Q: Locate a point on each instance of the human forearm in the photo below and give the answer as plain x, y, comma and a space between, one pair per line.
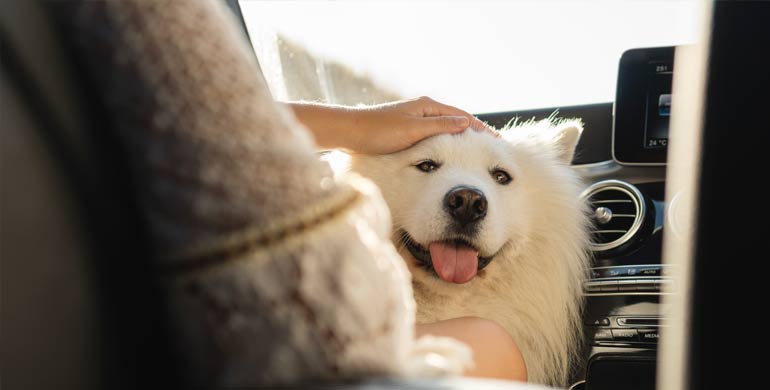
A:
495, 353
382, 128
333, 126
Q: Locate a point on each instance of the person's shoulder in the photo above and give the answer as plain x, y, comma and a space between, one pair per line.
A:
497, 343
495, 352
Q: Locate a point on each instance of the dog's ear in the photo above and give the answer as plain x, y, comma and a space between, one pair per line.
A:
565, 138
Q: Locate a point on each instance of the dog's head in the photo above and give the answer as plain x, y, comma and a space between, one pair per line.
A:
460, 200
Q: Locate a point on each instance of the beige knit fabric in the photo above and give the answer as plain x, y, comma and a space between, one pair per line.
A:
276, 272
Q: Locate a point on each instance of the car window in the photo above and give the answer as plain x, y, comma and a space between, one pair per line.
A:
481, 56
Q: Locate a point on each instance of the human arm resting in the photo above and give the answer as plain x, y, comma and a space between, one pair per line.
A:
382, 128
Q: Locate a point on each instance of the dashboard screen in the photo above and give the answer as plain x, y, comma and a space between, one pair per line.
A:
658, 104
643, 106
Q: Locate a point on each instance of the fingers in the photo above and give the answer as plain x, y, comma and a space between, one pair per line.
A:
429, 126
432, 108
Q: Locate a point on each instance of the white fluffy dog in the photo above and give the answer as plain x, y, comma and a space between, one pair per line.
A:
494, 228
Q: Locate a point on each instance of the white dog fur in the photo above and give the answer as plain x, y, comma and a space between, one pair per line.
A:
535, 226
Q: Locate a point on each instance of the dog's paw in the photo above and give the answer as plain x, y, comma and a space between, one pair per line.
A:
439, 356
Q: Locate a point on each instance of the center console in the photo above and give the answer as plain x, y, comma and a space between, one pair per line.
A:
625, 310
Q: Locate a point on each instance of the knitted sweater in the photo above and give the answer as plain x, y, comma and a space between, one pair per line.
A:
275, 271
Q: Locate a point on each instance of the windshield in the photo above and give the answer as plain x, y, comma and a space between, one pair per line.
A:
480, 56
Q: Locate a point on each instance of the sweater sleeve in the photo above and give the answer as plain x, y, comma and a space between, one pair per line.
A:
274, 271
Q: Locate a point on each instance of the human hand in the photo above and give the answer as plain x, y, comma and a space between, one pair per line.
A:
391, 127
384, 128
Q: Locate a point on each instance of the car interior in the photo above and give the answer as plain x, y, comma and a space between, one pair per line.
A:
659, 311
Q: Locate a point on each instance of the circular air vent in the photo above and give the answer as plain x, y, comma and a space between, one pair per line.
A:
618, 211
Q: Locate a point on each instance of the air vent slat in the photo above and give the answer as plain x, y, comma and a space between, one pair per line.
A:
618, 208
615, 223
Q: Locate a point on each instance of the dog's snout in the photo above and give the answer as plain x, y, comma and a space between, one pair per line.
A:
466, 205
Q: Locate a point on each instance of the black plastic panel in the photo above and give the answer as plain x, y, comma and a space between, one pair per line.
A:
596, 142
615, 372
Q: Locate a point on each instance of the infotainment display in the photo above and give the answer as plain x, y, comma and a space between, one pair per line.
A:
643, 106
658, 104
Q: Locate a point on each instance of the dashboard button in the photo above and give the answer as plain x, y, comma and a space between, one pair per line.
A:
626, 285
603, 335
592, 286
615, 272
650, 271
631, 271
648, 335
599, 322
628, 335
646, 285
638, 321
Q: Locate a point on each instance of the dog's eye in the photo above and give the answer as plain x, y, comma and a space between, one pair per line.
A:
427, 166
501, 177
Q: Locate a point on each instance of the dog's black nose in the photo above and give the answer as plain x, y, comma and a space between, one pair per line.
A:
466, 205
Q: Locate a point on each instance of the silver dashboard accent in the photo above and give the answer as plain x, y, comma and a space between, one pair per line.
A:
610, 169
576, 384
603, 215
592, 286
636, 198
627, 285
621, 294
641, 321
640, 286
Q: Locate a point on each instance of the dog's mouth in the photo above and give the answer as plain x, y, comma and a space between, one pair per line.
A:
454, 260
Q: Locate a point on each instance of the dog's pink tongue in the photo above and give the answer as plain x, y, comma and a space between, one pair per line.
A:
454, 263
